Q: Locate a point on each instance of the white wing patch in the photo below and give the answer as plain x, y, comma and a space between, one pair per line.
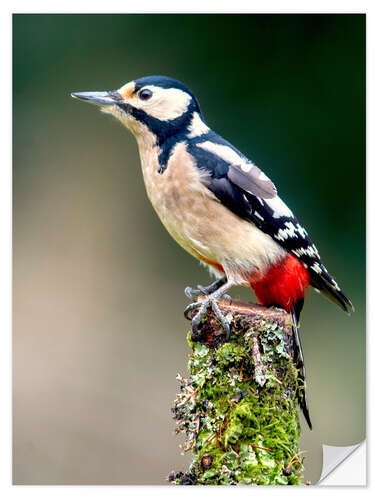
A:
316, 267
302, 231
263, 177
227, 154
310, 251
290, 231
241, 171
257, 214
279, 208
246, 167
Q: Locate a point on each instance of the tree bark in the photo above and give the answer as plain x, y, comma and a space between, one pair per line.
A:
239, 407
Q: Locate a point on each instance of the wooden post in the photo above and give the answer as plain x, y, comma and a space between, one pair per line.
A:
238, 407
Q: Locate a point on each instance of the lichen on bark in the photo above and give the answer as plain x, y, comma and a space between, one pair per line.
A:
239, 407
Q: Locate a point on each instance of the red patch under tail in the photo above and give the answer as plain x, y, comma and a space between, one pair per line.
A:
283, 285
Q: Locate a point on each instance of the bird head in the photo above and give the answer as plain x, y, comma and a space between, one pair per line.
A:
154, 106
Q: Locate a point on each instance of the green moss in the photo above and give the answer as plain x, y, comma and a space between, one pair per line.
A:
241, 412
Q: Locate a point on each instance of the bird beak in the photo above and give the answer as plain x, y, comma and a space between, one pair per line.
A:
98, 98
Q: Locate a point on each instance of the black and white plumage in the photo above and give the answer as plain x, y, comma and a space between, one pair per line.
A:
215, 202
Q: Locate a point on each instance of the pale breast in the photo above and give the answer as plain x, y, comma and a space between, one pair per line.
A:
199, 222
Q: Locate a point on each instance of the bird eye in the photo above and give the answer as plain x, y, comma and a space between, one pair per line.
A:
145, 94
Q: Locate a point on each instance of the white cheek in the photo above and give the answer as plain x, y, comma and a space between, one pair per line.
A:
165, 104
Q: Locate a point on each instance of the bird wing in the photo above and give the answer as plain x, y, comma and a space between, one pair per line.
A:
252, 180
243, 188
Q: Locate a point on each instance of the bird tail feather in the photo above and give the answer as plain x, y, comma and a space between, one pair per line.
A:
299, 361
326, 285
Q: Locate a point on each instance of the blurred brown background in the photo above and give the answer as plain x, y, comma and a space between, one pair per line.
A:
99, 333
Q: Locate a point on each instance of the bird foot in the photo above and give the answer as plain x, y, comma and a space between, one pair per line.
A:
203, 305
192, 293
212, 293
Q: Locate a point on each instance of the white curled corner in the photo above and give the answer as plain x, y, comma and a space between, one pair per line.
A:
352, 462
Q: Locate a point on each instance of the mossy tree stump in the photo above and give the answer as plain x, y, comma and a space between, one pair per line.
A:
239, 405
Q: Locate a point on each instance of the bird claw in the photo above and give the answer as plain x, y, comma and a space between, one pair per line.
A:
190, 292
212, 293
190, 308
203, 306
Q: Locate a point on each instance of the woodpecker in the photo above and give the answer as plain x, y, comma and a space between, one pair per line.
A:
218, 205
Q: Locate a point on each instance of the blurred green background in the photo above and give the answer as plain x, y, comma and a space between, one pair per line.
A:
99, 333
